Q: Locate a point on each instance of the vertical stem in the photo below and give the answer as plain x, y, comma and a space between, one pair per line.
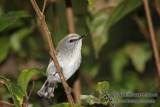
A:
56, 20
70, 19
77, 88
141, 27
152, 35
157, 7
44, 6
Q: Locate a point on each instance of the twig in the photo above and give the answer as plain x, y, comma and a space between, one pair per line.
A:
6, 103
157, 7
52, 50
77, 89
141, 27
56, 20
152, 35
44, 6
28, 96
33, 84
26, 104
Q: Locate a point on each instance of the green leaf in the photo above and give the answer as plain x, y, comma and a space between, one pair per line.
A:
90, 2
35, 105
99, 31
139, 54
102, 86
1, 10
8, 19
18, 36
91, 68
119, 61
4, 48
122, 10
15, 90
90, 99
26, 75
64, 105
106, 16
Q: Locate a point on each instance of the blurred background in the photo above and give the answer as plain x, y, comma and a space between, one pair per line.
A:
116, 53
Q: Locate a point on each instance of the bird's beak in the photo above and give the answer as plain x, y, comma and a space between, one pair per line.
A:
82, 36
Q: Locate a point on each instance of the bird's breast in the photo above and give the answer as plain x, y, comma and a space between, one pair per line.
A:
70, 65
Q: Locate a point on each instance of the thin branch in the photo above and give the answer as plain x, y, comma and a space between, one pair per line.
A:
55, 19
141, 27
152, 35
44, 6
26, 104
6, 103
28, 96
52, 50
77, 89
157, 7
33, 84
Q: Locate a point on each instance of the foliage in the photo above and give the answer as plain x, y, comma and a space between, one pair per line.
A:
15, 91
26, 75
90, 2
102, 22
4, 48
10, 18
138, 53
122, 10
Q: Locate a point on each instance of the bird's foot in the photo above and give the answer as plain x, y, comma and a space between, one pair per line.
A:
69, 90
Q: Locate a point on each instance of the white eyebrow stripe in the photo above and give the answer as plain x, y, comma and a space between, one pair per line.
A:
75, 37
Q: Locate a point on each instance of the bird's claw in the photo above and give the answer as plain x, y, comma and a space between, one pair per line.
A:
69, 90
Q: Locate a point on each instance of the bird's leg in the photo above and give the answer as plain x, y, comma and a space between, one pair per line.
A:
69, 89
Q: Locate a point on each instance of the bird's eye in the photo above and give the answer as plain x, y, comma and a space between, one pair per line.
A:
71, 41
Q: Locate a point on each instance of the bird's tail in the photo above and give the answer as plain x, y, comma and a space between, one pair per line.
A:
47, 89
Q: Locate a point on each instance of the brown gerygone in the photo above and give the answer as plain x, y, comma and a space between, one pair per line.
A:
68, 53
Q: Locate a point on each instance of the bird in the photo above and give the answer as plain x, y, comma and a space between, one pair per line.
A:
68, 54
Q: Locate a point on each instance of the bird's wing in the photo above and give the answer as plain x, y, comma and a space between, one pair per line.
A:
51, 69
